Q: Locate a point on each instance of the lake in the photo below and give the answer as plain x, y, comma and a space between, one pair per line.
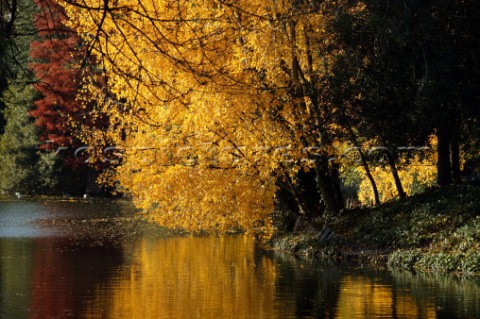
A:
65, 258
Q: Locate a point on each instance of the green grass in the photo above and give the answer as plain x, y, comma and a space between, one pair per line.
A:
437, 230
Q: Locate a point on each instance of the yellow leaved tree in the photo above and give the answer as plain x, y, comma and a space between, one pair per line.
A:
213, 105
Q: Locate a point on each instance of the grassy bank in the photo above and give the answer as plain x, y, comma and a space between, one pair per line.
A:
437, 230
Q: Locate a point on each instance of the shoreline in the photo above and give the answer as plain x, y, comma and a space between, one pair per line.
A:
438, 230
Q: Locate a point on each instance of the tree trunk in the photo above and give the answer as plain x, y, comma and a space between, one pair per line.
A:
444, 176
329, 189
366, 168
307, 189
296, 196
396, 178
303, 191
286, 207
370, 177
455, 161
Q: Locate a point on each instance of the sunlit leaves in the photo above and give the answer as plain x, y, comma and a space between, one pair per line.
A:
210, 101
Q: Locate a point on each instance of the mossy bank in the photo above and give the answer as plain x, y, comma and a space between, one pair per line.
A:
438, 230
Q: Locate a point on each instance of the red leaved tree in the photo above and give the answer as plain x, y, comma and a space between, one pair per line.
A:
55, 66
59, 63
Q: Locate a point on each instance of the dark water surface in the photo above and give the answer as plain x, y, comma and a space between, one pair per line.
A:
91, 259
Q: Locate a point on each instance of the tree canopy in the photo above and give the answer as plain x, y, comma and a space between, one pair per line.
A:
217, 107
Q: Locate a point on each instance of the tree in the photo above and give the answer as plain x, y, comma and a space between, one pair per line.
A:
401, 84
224, 94
454, 77
18, 144
57, 66
8, 14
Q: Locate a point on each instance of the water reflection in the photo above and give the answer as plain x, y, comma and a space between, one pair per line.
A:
15, 276
51, 278
190, 278
63, 276
230, 278
361, 296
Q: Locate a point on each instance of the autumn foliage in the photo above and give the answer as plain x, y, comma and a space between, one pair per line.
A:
233, 93
216, 105
59, 65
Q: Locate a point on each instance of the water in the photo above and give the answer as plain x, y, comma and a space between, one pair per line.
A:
91, 259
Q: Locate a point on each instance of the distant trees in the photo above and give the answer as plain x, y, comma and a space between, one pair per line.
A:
8, 15
19, 142
19, 139
40, 157
59, 64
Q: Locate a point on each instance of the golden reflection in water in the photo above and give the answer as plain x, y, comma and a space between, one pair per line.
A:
361, 297
189, 278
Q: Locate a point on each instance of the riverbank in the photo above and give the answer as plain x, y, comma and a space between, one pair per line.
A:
438, 230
